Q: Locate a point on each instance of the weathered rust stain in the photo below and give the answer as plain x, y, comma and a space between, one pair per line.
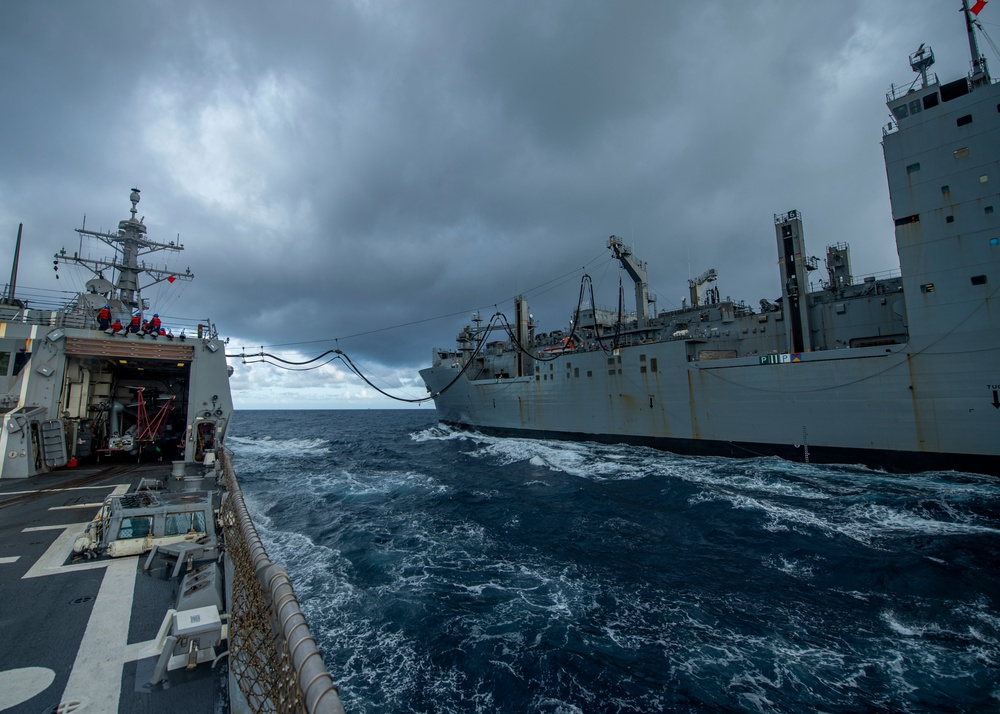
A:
916, 408
695, 430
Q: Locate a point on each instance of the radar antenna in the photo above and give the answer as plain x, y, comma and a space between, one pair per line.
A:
921, 60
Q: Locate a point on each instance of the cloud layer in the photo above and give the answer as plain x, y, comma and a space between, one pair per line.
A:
337, 169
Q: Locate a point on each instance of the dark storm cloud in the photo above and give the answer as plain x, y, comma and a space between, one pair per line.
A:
338, 168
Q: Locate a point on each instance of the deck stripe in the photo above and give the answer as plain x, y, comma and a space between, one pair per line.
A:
119, 488
97, 672
9, 559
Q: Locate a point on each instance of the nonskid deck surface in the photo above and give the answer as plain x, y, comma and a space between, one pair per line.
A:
77, 633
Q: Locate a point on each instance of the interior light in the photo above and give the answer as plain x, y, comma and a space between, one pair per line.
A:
123, 361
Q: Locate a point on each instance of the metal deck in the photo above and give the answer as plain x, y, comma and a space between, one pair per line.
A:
77, 635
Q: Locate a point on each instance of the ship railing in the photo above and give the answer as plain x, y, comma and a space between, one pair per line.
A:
62, 308
896, 91
272, 655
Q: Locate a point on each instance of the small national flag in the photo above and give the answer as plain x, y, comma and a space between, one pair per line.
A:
171, 278
978, 7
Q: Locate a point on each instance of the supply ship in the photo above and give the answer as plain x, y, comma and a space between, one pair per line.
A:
132, 575
900, 373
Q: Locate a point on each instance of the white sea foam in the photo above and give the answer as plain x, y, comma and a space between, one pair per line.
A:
268, 447
440, 432
791, 506
793, 567
510, 610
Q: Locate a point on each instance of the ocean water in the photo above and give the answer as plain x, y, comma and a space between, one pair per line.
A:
444, 571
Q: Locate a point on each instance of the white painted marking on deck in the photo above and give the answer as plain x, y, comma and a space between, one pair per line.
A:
119, 488
78, 505
20, 685
51, 561
7, 560
97, 672
95, 680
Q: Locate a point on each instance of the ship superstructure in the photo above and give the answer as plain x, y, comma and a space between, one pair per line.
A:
133, 575
900, 372
74, 386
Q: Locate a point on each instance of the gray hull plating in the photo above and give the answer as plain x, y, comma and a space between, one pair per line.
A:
901, 372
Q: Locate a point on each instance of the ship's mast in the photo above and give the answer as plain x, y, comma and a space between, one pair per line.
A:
980, 73
131, 243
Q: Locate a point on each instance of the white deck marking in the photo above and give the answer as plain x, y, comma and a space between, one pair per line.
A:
51, 561
20, 685
119, 488
9, 559
97, 672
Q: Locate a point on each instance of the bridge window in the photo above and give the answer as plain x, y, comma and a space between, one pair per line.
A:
962, 121
135, 527
954, 90
181, 523
978, 280
931, 100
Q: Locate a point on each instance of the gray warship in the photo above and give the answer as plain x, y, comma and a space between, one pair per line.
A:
132, 575
900, 373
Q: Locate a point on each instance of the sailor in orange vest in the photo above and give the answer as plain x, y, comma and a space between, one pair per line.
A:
136, 322
117, 326
104, 318
154, 324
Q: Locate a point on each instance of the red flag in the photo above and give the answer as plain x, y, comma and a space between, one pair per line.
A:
171, 278
978, 7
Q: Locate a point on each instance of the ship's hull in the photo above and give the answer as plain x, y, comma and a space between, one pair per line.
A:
888, 407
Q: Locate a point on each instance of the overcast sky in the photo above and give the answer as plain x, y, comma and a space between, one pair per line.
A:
337, 169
